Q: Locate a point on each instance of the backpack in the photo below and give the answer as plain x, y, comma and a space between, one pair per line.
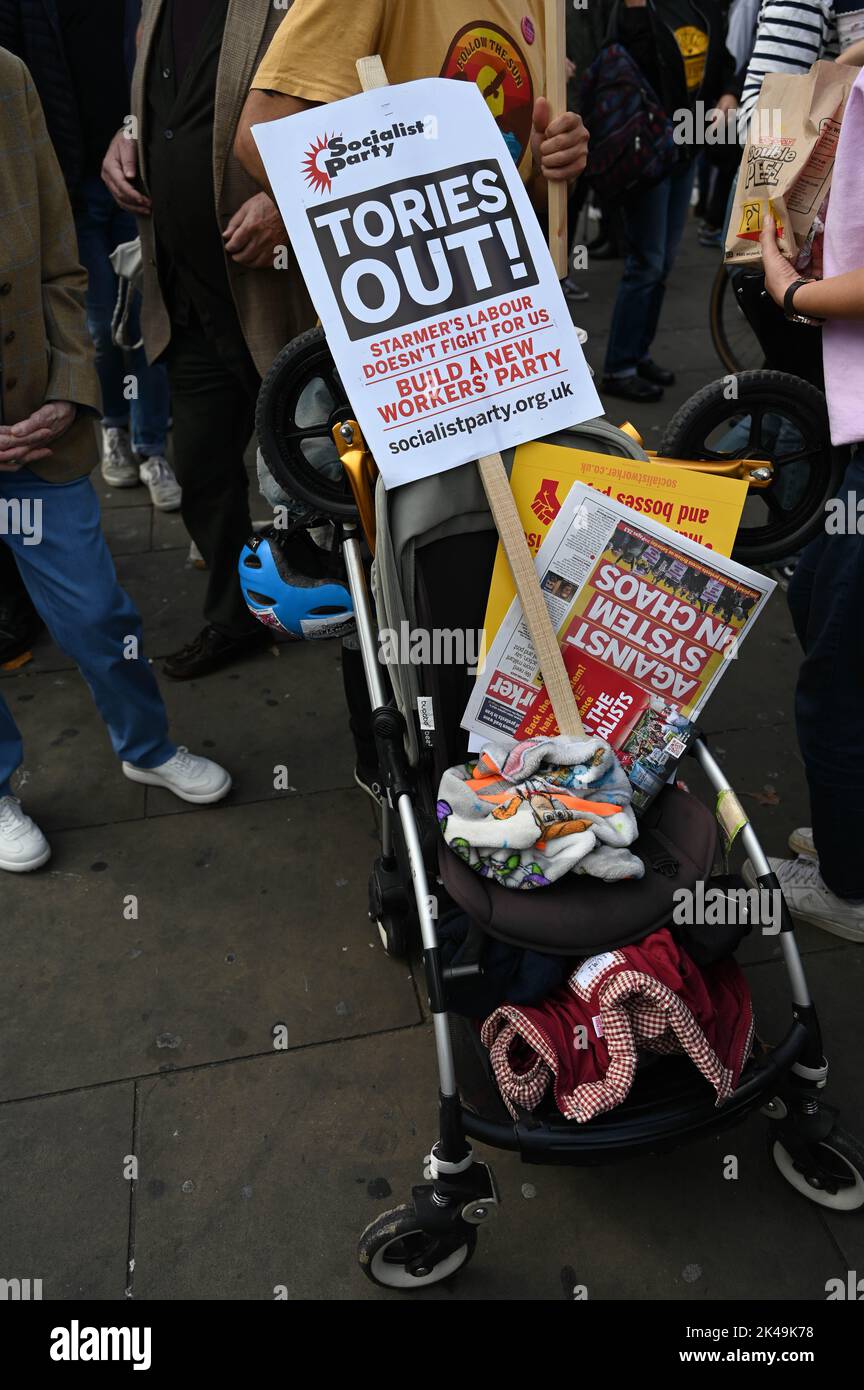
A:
632, 143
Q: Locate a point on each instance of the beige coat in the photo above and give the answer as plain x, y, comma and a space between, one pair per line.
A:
45, 347
272, 305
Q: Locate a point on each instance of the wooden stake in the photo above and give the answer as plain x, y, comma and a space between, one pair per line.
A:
505, 513
556, 91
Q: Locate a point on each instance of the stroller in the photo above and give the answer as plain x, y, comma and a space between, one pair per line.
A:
435, 544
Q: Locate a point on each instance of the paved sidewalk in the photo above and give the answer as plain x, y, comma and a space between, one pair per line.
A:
151, 1035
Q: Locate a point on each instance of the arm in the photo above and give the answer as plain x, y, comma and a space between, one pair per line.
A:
72, 380
790, 38
260, 108
838, 297
853, 55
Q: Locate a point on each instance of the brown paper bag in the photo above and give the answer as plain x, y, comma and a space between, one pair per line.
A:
788, 159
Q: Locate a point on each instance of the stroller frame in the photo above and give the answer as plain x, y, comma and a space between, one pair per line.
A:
459, 1192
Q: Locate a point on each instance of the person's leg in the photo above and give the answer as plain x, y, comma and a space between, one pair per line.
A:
679, 190
214, 419
11, 748
71, 579
637, 303
94, 216
829, 703
799, 595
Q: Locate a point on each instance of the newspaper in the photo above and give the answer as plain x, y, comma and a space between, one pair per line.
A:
647, 622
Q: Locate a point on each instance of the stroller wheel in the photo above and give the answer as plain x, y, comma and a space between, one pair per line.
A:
396, 1253
393, 932
302, 399
772, 416
832, 1175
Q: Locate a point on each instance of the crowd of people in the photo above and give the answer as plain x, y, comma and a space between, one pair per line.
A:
124, 120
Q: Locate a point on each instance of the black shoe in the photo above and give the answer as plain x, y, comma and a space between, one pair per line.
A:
649, 371
210, 651
631, 388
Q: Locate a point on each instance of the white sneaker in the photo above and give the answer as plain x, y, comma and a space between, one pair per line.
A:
23, 847
811, 900
119, 468
191, 778
165, 491
195, 560
801, 842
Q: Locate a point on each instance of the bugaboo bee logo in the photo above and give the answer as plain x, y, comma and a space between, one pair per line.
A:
327, 156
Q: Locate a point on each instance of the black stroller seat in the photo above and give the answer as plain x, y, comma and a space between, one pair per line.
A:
578, 915
581, 915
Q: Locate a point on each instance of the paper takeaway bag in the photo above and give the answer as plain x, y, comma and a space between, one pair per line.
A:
788, 159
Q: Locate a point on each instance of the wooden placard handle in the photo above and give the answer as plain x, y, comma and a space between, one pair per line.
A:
502, 504
505, 513
556, 91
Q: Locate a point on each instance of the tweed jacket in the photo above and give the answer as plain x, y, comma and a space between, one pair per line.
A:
272, 305
46, 353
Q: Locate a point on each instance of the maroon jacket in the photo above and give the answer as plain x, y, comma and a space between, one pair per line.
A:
586, 1036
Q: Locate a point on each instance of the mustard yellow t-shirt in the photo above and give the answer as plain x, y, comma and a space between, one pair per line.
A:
499, 44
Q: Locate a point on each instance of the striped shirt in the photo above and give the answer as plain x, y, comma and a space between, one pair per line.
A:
791, 36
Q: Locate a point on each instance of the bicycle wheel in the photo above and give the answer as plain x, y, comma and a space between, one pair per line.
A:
301, 400
734, 340
775, 417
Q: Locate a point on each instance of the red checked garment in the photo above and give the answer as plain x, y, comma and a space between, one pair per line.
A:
586, 1035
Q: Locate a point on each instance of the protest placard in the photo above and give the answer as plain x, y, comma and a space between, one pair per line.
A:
647, 621
428, 268
701, 506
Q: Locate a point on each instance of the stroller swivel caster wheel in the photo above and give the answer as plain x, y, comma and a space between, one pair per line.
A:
832, 1175
394, 935
396, 1254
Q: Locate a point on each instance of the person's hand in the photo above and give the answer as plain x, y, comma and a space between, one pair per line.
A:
28, 441
779, 273
255, 232
560, 147
718, 113
119, 171
570, 69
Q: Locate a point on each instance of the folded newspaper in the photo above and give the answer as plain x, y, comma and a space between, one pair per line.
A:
647, 622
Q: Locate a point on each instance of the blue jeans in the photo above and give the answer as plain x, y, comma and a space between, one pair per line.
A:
102, 226
70, 577
654, 221
826, 599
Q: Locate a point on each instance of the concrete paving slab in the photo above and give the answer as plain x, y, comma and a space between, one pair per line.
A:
248, 917
169, 598
64, 1201
169, 533
315, 1144
280, 715
127, 529
70, 776
836, 981
119, 498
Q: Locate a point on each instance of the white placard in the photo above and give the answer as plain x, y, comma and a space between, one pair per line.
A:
429, 271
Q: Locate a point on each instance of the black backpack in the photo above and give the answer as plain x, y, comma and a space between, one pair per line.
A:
632, 144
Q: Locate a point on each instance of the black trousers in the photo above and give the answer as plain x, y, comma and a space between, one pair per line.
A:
826, 599
214, 391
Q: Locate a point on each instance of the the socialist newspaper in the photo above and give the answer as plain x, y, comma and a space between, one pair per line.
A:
647, 622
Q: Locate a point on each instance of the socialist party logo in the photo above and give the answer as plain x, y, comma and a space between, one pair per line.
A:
330, 154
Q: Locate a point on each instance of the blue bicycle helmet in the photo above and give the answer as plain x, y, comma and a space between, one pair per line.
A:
293, 586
